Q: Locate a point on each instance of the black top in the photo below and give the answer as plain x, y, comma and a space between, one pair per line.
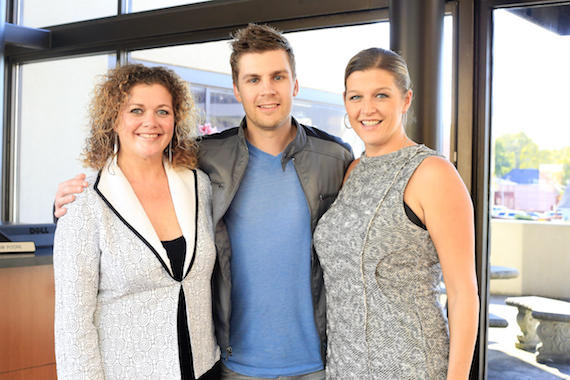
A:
176, 251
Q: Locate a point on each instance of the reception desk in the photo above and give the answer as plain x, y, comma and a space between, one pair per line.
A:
26, 312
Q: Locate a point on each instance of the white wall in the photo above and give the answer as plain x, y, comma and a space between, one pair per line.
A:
52, 130
541, 253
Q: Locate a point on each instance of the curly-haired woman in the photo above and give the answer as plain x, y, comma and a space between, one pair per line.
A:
133, 255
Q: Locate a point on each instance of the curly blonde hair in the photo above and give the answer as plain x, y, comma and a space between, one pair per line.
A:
110, 98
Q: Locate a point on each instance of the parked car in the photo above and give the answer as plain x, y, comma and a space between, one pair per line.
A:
510, 214
495, 210
553, 215
536, 215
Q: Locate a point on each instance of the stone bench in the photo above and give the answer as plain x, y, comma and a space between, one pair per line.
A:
503, 273
554, 333
496, 321
546, 321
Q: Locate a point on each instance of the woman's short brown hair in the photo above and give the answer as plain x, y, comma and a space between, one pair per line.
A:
111, 96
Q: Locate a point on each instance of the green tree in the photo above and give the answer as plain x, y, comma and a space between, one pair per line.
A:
529, 156
504, 161
518, 151
565, 161
547, 156
515, 151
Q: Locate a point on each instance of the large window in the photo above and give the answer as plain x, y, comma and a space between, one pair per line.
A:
530, 171
41, 13
51, 129
220, 109
147, 5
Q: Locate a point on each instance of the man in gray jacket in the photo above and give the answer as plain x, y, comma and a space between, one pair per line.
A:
272, 179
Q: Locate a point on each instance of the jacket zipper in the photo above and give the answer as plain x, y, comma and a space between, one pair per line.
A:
229, 348
312, 258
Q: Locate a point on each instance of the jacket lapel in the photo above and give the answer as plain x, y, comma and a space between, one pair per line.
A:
183, 190
116, 190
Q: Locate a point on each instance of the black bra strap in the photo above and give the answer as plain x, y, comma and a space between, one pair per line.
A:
413, 217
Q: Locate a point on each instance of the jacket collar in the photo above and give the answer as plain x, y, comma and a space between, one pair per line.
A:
290, 150
295, 146
116, 191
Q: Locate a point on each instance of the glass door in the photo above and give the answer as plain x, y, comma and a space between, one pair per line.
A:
529, 175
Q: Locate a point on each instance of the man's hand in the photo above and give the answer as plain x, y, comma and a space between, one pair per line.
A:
65, 192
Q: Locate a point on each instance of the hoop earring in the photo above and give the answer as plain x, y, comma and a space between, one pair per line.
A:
170, 152
115, 148
346, 125
111, 167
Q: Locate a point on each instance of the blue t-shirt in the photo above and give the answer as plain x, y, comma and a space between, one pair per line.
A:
272, 326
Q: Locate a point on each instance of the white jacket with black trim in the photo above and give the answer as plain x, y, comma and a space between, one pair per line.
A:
116, 296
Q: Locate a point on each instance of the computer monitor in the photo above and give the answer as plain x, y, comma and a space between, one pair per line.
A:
40, 234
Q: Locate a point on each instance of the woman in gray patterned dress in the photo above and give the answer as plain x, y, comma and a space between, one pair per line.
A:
134, 253
402, 216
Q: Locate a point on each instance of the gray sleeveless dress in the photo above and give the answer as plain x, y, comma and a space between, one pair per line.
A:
382, 275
